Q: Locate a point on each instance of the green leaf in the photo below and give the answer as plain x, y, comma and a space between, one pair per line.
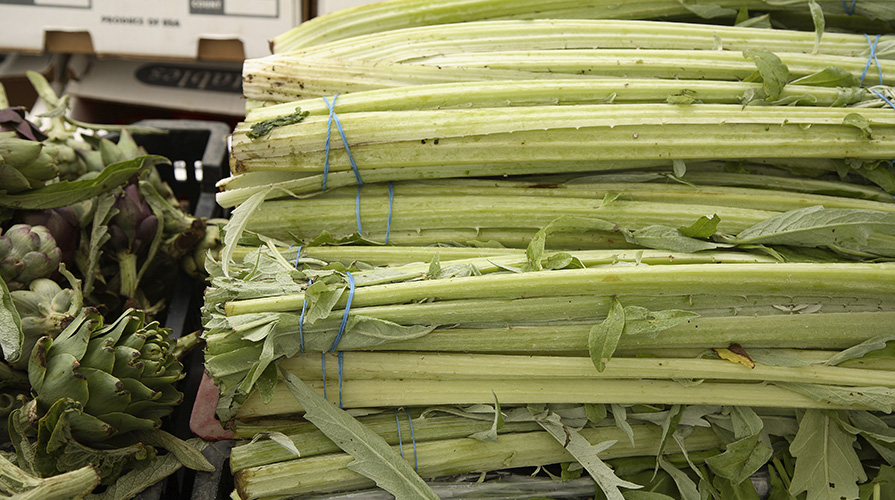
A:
817, 227
491, 434
603, 337
686, 487
99, 234
239, 218
620, 415
535, 250
704, 227
642, 321
434, 267
186, 453
732, 490
685, 97
669, 238
817, 15
264, 127
884, 481
773, 71
747, 454
779, 490
707, 10
875, 398
586, 454
595, 412
373, 457
64, 193
859, 351
284, 441
11, 334
827, 465
860, 122
145, 474
679, 167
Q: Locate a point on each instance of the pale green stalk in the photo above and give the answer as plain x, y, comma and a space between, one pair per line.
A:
288, 77
496, 94
396, 366
398, 14
837, 279
378, 393
238, 188
454, 456
414, 216
411, 44
411, 261
310, 441
365, 129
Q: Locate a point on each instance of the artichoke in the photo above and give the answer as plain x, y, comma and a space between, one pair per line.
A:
65, 225
118, 378
25, 164
45, 309
27, 253
132, 231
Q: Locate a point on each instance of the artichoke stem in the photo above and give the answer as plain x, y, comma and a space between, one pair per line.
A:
74, 484
127, 267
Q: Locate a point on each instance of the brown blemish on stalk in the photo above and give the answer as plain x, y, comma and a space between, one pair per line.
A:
612, 277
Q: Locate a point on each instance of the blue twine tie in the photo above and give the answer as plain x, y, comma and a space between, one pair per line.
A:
333, 117
345, 314
323, 369
400, 441
881, 96
391, 203
416, 465
872, 59
301, 319
850, 11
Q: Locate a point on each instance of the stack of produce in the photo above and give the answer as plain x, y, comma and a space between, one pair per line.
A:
90, 239
592, 238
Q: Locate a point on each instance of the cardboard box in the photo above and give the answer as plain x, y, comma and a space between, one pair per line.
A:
116, 87
13, 67
326, 6
159, 29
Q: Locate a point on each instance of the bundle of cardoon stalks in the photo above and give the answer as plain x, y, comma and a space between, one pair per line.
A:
652, 253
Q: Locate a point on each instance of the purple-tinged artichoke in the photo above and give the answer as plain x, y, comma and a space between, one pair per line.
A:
26, 254
64, 223
134, 227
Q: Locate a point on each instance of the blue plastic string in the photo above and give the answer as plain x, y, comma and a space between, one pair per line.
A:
400, 441
329, 132
849, 11
391, 203
357, 210
323, 369
872, 59
345, 314
334, 117
881, 96
416, 465
301, 319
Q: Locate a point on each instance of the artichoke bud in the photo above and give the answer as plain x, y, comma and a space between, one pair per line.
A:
44, 310
19, 152
64, 223
134, 226
103, 369
27, 253
128, 147
70, 164
110, 152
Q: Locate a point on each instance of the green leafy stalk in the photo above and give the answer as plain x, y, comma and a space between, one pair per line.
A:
373, 457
